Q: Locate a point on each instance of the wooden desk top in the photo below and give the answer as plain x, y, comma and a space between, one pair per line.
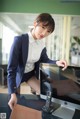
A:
22, 112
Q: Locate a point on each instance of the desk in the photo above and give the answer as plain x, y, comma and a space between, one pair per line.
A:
22, 112
31, 101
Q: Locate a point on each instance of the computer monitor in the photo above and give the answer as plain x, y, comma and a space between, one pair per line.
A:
65, 87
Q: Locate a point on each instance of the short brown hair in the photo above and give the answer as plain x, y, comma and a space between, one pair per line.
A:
47, 20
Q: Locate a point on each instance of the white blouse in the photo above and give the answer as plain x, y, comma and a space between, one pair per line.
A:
34, 52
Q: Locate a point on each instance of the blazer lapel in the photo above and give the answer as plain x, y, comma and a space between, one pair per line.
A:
25, 45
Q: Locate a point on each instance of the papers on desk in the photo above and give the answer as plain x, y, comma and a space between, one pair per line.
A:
22, 112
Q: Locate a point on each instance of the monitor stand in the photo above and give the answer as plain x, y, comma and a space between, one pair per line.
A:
64, 113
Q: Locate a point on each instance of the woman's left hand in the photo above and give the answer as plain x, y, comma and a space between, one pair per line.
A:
62, 63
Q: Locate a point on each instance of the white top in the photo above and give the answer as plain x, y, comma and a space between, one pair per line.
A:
34, 52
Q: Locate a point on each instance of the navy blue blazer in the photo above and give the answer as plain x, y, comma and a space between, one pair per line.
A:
17, 61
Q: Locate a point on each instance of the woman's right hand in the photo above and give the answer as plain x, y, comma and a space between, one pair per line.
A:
12, 101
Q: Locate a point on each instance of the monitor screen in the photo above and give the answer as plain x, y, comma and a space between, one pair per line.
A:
65, 84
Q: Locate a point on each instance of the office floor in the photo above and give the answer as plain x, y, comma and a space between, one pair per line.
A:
25, 89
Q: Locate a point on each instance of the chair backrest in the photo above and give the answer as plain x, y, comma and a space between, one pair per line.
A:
1, 75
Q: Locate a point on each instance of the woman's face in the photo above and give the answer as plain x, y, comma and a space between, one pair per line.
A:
40, 31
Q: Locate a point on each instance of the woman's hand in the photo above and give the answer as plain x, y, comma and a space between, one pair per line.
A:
62, 63
12, 101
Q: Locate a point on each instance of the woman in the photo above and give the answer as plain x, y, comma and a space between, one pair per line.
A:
27, 52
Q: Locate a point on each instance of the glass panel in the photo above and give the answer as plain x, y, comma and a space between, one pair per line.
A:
8, 37
75, 41
54, 41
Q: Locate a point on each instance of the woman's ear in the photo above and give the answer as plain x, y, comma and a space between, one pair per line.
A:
35, 23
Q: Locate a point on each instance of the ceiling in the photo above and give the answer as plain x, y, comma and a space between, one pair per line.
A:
70, 1
21, 22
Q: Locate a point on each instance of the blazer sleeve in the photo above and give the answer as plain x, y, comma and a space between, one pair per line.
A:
13, 63
44, 57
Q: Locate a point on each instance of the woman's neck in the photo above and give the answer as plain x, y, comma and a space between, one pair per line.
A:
33, 33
